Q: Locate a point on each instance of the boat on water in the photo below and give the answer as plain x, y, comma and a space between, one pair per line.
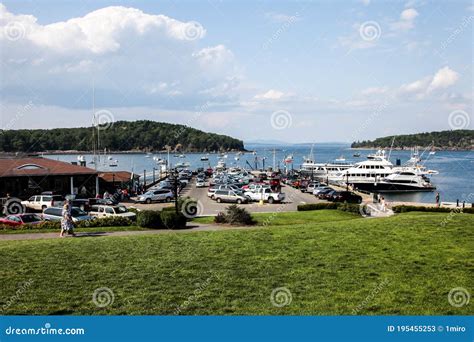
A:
112, 162
322, 170
205, 158
221, 165
356, 155
378, 174
182, 165
341, 159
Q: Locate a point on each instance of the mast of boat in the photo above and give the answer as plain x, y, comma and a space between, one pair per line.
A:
391, 147
274, 159
94, 147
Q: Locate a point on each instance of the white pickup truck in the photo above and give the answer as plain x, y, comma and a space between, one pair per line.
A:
265, 194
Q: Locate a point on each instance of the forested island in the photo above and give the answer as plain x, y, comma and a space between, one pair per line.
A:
444, 140
140, 135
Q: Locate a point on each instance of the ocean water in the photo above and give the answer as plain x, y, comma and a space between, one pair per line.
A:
454, 181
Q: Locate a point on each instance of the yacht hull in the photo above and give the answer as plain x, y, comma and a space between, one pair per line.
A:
390, 187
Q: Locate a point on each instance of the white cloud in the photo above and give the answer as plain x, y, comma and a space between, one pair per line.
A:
407, 20
365, 2
281, 18
442, 79
270, 95
130, 55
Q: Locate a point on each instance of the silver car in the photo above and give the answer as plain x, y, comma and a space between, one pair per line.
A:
229, 196
55, 214
158, 195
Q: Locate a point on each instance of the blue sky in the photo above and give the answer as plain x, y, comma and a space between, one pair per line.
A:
298, 71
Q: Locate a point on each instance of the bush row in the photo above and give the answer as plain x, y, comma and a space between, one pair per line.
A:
407, 208
111, 221
167, 219
349, 207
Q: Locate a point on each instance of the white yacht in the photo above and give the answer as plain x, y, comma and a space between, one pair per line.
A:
378, 174
325, 170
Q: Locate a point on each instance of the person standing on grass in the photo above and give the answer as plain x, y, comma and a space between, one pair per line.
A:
66, 221
437, 199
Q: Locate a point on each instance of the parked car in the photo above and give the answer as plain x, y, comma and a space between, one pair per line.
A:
107, 210
320, 188
229, 196
201, 183
55, 214
212, 190
266, 194
80, 202
20, 219
256, 187
310, 187
41, 202
326, 194
345, 196
165, 195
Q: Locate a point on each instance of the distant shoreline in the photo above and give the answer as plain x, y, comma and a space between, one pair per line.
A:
452, 149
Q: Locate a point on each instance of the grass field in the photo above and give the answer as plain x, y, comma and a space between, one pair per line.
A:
329, 262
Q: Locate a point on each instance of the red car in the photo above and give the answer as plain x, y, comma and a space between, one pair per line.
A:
19, 219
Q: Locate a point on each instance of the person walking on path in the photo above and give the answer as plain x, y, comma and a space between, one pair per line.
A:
382, 203
437, 200
66, 221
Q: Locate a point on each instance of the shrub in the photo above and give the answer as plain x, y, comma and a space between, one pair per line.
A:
173, 220
220, 218
408, 208
349, 207
46, 225
109, 221
149, 219
236, 216
317, 206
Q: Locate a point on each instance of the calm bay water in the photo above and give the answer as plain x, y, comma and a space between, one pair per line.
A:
454, 181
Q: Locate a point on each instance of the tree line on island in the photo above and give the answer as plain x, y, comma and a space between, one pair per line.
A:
444, 140
140, 135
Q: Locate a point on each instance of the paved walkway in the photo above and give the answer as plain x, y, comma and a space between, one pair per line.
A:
194, 227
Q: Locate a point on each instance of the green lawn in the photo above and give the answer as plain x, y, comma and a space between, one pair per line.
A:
332, 263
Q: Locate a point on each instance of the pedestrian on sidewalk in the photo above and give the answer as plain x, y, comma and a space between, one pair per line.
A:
67, 226
382, 203
437, 200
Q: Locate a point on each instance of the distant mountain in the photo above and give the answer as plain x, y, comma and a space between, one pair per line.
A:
140, 135
444, 140
266, 142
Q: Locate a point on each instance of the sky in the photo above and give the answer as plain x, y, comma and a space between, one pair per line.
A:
293, 71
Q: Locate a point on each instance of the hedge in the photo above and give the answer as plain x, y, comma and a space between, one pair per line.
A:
110, 221
173, 220
317, 206
149, 219
408, 208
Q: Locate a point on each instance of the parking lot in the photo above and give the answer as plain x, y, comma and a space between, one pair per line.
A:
208, 207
